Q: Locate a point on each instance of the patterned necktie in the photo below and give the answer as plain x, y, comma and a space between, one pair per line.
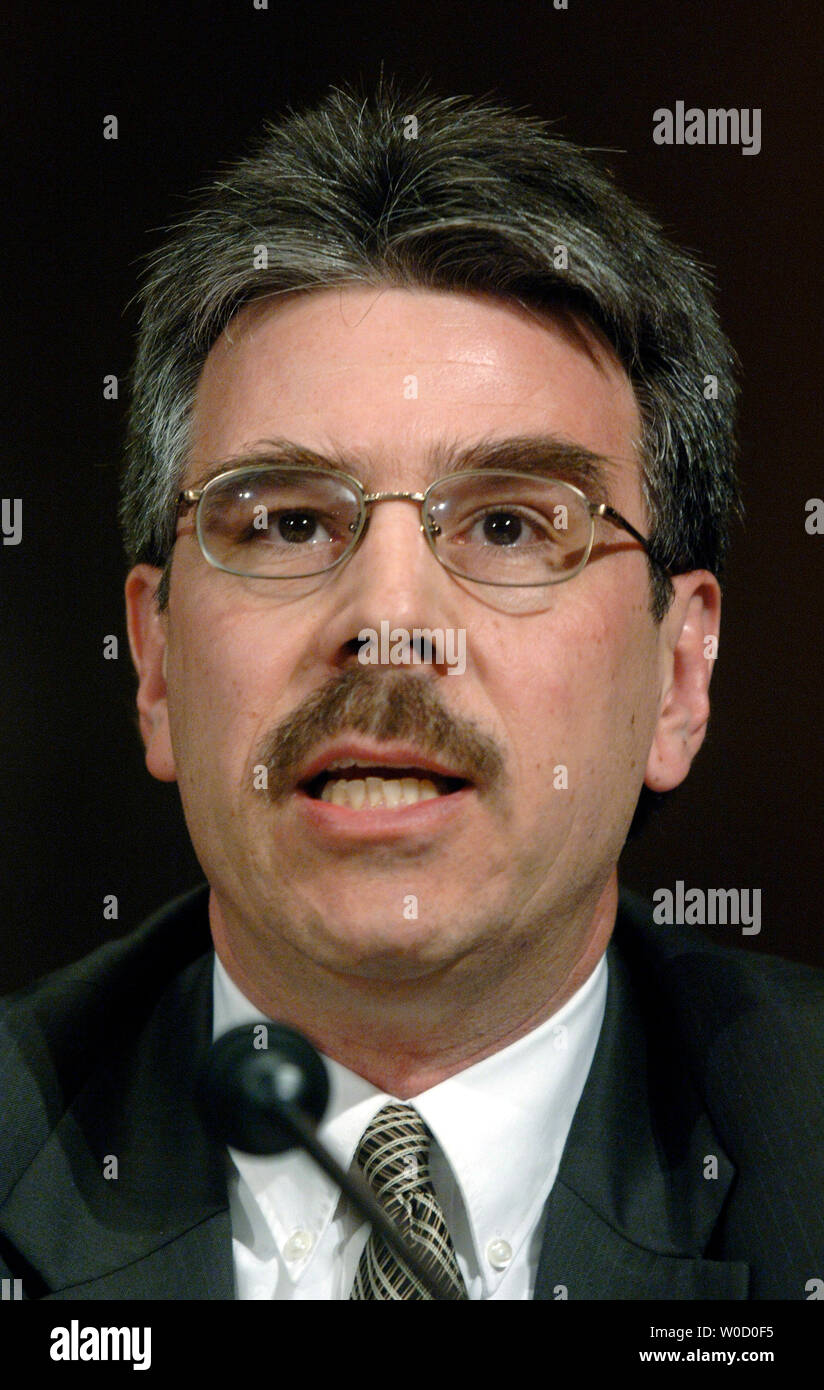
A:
394, 1157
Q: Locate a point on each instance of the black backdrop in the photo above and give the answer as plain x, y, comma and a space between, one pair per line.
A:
189, 83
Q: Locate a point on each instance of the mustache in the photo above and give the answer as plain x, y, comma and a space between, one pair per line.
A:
383, 705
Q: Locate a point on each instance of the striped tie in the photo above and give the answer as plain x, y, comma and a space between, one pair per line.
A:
394, 1157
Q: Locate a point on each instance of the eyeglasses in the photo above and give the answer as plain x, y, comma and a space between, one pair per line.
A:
517, 530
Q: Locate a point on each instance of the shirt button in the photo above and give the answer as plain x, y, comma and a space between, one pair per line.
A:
298, 1245
499, 1253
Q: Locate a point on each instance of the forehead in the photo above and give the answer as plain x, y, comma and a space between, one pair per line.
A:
397, 378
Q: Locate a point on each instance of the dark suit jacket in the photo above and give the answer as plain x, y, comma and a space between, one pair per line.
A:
693, 1168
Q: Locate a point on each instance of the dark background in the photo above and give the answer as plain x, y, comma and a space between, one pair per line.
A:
190, 83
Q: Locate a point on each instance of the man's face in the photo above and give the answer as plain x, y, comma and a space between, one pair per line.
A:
575, 684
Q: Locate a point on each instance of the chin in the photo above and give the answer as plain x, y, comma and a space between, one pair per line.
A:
405, 950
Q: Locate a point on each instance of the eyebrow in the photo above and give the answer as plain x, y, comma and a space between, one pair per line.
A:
547, 455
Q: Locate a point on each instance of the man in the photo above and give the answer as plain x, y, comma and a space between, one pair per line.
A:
416, 380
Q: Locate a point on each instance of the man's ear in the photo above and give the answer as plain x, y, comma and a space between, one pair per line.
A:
147, 638
688, 646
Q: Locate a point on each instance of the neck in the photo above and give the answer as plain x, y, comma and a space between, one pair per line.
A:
405, 1036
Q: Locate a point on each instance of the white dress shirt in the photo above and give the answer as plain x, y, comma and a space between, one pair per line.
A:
499, 1128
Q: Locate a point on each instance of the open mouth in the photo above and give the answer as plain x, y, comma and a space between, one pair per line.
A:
365, 786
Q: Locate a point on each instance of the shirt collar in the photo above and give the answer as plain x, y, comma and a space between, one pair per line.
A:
510, 1114
507, 1114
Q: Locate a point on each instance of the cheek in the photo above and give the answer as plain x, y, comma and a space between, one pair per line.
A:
580, 702
225, 690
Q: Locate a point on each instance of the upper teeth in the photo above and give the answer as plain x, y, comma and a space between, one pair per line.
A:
377, 791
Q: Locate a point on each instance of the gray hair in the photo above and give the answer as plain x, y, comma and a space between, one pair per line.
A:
446, 194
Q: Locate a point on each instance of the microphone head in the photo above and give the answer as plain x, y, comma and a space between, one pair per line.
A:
254, 1073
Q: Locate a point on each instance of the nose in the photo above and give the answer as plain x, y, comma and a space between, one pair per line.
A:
393, 542
391, 577
393, 564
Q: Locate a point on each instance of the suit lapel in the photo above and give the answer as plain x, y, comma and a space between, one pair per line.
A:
158, 1225
192, 1264
643, 1177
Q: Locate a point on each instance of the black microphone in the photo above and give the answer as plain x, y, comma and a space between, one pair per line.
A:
264, 1090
